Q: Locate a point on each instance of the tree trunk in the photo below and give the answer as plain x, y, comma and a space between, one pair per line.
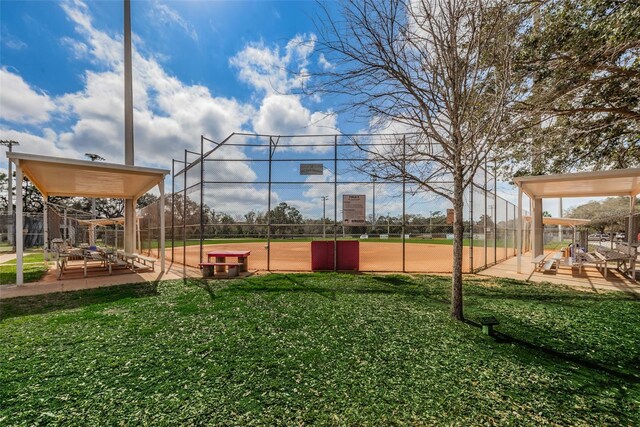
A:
458, 236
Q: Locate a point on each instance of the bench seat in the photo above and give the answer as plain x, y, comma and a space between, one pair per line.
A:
217, 264
209, 267
550, 265
146, 259
539, 261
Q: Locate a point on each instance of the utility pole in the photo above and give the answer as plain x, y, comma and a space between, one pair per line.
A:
324, 211
93, 158
10, 143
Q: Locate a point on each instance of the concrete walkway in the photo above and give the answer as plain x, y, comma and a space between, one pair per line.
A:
49, 283
7, 257
589, 279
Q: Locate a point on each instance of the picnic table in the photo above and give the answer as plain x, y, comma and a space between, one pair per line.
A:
220, 263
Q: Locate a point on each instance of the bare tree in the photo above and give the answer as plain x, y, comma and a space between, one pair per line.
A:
440, 69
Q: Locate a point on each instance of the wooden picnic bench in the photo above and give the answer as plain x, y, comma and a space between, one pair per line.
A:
132, 258
586, 258
221, 257
554, 262
539, 262
145, 259
209, 268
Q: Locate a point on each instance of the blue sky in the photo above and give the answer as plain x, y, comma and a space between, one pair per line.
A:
201, 67
221, 64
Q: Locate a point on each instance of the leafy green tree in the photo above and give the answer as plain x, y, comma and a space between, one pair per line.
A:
281, 216
580, 67
605, 215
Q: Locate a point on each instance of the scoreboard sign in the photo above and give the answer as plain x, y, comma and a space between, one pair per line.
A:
450, 216
353, 209
311, 169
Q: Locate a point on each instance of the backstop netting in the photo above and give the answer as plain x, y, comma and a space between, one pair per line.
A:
274, 195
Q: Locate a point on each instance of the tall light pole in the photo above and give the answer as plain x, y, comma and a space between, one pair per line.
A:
93, 157
129, 204
430, 223
324, 211
388, 223
10, 143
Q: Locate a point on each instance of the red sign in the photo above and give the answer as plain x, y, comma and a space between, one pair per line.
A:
450, 216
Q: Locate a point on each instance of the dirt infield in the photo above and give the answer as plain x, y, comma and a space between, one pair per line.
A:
374, 256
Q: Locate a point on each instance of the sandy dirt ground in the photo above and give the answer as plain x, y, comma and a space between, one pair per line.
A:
374, 256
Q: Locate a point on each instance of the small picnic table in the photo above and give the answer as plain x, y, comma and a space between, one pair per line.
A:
220, 261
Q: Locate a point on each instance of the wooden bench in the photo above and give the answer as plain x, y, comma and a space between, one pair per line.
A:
488, 323
551, 264
539, 262
601, 259
208, 268
584, 258
128, 258
146, 259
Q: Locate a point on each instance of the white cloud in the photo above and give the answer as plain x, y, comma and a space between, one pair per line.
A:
29, 143
163, 14
169, 115
267, 70
20, 103
102, 47
11, 42
77, 48
324, 63
285, 115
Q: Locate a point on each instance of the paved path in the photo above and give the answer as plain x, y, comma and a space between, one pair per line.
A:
49, 284
7, 257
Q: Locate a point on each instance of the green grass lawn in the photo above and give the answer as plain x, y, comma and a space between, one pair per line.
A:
34, 269
27, 258
328, 349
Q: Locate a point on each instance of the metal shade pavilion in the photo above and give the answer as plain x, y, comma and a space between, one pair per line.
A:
55, 176
618, 182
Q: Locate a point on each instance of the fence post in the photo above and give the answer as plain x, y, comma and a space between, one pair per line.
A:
184, 216
404, 200
495, 217
484, 223
173, 207
335, 203
201, 193
471, 226
269, 207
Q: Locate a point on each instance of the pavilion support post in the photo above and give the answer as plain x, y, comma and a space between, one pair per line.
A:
45, 226
66, 226
138, 239
129, 226
633, 233
538, 228
560, 226
162, 256
92, 235
19, 232
519, 233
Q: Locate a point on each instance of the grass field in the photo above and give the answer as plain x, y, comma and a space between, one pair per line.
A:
34, 269
325, 349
